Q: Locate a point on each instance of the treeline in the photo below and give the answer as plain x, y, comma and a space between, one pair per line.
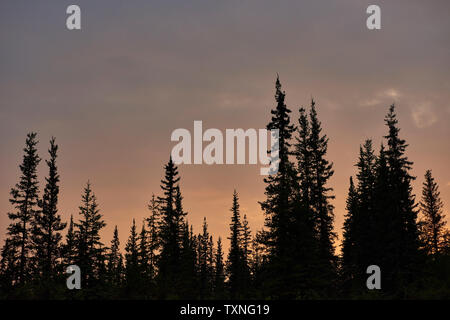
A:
292, 257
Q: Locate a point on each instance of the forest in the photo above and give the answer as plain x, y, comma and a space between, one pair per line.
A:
293, 257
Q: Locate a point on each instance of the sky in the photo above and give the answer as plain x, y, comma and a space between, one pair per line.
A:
113, 92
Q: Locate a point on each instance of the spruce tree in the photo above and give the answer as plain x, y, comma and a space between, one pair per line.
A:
115, 261
278, 207
169, 233
8, 268
236, 265
359, 228
433, 216
322, 171
143, 257
304, 246
205, 258
132, 273
24, 198
69, 248
401, 254
246, 239
47, 225
188, 272
350, 240
219, 275
153, 235
90, 250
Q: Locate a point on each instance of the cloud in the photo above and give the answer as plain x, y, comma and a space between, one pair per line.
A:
370, 102
424, 116
386, 96
392, 93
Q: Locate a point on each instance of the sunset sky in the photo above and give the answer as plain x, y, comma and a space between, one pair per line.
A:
113, 92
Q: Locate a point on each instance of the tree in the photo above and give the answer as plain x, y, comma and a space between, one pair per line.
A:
237, 268
8, 267
170, 232
322, 171
399, 258
359, 232
133, 276
219, 275
90, 251
302, 282
143, 256
47, 225
188, 273
69, 248
433, 217
115, 261
24, 198
152, 235
246, 239
205, 258
278, 207
350, 242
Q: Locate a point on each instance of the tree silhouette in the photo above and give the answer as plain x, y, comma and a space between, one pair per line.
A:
433, 218
90, 250
47, 227
170, 232
24, 198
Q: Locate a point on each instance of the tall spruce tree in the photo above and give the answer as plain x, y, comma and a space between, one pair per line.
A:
170, 233
304, 252
350, 241
322, 171
402, 255
24, 198
90, 250
359, 232
433, 223
278, 206
47, 226
237, 270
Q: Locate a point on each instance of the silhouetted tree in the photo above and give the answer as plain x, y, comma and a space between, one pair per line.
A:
278, 206
433, 216
350, 243
90, 250
219, 272
359, 231
24, 198
169, 233
205, 267
69, 247
322, 170
115, 262
47, 227
153, 236
132, 270
237, 268
395, 215
188, 272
